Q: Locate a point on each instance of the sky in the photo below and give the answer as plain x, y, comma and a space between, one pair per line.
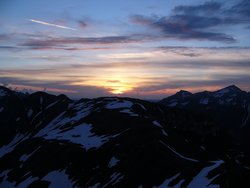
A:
146, 49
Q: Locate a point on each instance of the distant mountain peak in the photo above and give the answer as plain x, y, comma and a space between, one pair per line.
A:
233, 88
230, 95
226, 90
184, 93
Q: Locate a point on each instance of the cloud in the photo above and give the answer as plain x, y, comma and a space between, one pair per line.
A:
167, 71
82, 24
59, 87
220, 80
50, 24
113, 81
181, 65
53, 47
181, 50
15, 48
199, 22
242, 8
186, 28
64, 42
139, 19
207, 7
4, 37
26, 41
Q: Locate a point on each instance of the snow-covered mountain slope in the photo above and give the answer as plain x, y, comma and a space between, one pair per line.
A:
52, 141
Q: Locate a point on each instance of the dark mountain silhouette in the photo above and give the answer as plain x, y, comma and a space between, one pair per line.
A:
186, 140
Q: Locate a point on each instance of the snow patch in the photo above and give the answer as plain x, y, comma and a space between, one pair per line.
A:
10, 147
127, 111
246, 167
50, 105
221, 92
229, 100
80, 134
82, 110
113, 162
27, 182
185, 94
25, 157
41, 100
119, 104
157, 124
30, 112
143, 107
201, 179
116, 177
173, 104
160, 126
204, 101
185, 103
167, 181
179, 184
4, 176
2, 93
58, 179
203, 148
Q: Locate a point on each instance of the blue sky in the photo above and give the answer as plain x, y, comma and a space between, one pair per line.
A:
145, 48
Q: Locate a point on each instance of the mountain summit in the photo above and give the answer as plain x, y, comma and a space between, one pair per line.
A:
233, 88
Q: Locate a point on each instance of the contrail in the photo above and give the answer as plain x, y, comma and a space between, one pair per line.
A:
50, 24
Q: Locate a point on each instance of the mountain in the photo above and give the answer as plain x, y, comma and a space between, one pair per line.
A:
53, 141
229, 106
230, 95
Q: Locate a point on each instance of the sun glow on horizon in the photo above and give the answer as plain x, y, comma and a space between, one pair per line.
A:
114, 84
119, 89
